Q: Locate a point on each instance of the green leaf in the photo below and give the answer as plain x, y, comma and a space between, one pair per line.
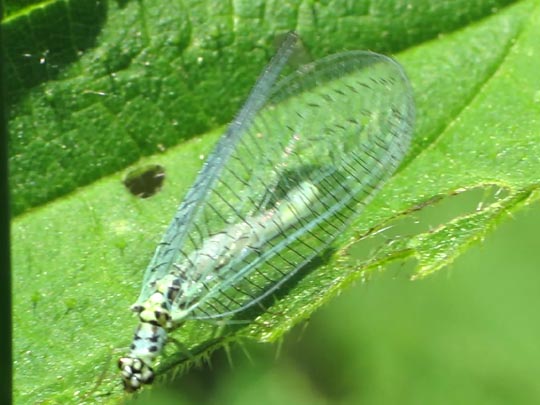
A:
130, 79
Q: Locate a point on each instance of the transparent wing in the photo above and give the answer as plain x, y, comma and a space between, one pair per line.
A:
303, 157
326, 140
183, 225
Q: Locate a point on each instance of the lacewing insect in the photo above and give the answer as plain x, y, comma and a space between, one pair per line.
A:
304, 155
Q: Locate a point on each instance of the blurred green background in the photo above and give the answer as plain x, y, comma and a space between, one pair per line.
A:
467, 335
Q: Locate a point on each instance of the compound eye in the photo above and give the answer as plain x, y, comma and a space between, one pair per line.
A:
135, 373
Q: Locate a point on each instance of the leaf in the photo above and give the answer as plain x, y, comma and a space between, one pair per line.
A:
81, 74
132, 78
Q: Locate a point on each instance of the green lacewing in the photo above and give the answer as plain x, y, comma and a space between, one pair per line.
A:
303, 156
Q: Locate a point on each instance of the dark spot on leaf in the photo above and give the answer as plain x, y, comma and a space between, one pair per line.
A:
145, 181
